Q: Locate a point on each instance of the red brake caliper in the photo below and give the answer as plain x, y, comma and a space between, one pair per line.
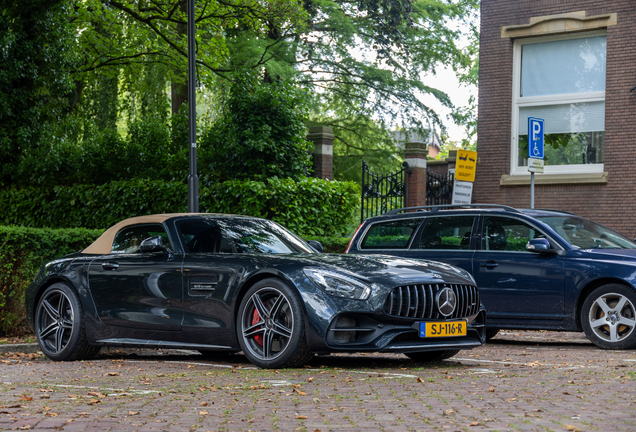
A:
255, 319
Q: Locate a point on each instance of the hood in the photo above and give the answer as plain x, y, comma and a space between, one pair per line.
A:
391, 270
612, 254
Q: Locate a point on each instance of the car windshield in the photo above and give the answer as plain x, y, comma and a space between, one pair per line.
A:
586, 234
235, 235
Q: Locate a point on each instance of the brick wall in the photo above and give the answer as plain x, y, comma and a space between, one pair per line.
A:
614, 203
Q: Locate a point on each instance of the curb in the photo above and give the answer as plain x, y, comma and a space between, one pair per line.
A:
26, 348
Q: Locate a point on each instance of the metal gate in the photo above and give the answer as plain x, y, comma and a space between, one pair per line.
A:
439, 188
381, 193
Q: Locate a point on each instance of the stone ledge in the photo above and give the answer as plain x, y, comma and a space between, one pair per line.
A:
559, 23
554, 179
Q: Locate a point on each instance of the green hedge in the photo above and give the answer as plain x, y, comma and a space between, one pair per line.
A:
22, 252
308, 207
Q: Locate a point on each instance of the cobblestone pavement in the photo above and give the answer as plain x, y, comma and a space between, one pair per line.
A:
521, 381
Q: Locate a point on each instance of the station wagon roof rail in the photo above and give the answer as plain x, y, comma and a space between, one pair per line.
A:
434, 208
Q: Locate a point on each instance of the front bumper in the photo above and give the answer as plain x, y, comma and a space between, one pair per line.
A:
351, 332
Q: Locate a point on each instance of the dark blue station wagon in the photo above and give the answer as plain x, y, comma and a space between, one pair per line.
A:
535, 269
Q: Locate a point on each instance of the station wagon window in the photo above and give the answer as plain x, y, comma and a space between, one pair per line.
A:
390, 235
507, 234
447, 232
128, 240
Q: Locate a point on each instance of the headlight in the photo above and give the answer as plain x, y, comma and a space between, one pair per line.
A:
338, 284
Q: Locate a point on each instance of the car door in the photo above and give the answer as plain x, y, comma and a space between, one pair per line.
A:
514, 283
211, 269
446, 238
138, 290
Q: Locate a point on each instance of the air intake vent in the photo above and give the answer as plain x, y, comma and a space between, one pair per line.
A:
199, 286
419, 301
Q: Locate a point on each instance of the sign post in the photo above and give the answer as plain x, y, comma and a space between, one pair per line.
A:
464, 177
535, 151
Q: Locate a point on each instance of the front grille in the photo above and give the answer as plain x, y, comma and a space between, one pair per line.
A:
418, 301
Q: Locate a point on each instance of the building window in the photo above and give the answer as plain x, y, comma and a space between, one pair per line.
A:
561, 79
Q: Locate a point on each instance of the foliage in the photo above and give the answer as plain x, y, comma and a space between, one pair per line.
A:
35, 64
331, 244
259, 134
309, 206
22, 252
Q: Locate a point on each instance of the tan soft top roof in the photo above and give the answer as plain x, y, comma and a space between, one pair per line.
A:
103, 245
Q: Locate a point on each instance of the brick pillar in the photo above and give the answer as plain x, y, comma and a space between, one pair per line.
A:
415, 155
322, 137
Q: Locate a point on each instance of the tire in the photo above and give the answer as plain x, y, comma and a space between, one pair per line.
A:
432, 356
608, 317
59, 325
271, 326
491, 333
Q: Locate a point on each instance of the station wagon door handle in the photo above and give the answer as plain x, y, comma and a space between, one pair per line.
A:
110, 265
489, 264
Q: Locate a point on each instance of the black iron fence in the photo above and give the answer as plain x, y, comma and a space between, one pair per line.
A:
381, 193
439, 188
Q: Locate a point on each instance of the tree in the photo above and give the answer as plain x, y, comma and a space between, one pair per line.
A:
36, 60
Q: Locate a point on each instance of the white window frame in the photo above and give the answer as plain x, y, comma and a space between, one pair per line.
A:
519, 102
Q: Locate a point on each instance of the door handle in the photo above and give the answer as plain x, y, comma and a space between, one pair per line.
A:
109, 265
489, 264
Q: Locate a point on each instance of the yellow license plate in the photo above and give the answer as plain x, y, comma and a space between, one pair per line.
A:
443, 329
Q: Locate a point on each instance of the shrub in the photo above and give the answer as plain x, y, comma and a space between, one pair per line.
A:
260, 134
308, 207
22, 252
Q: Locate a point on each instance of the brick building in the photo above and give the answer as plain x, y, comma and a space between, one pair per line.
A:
572, 63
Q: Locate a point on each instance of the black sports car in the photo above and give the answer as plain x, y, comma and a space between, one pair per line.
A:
230, 283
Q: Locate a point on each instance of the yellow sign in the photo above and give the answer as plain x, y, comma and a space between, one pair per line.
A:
465, 166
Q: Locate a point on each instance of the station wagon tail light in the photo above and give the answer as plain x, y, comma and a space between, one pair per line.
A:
354, 236
338, 284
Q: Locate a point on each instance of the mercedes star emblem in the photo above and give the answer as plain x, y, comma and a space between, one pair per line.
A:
446, 302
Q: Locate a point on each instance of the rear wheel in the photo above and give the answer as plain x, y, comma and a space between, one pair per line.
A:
271, 326
431, 356
59, 325
608, 317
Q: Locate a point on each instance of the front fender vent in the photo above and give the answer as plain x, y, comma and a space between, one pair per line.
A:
418, 301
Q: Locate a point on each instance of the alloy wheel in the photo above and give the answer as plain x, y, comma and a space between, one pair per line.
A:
267, 323
55, 317
612, 317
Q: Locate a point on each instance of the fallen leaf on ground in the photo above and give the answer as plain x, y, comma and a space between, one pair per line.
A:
133, 412
26, 398
301, 417
92, 402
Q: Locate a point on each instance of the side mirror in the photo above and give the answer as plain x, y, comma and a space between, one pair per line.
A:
316, 245
538, 245
153, 244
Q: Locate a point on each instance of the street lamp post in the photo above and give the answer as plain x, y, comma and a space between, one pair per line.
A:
193, 178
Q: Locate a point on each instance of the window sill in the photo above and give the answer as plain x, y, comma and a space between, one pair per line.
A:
554, 179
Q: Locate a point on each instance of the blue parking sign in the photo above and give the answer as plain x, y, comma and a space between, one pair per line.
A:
535, 138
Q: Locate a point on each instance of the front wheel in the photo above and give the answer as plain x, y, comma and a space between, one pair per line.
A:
608, 317
431, 356
271, 326
59, 325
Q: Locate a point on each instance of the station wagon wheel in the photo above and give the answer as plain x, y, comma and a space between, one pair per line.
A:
608, 317
59, 326
271, 328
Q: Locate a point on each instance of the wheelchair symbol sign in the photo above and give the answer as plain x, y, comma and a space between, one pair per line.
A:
535, 138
